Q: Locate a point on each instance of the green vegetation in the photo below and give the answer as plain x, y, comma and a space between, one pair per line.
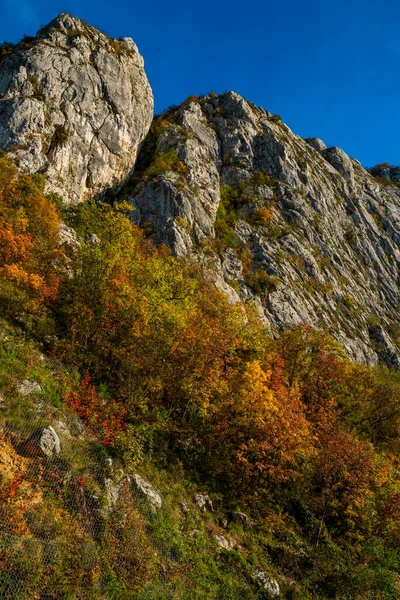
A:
163, 162
60, 137
226, 218
171, 381
261, 282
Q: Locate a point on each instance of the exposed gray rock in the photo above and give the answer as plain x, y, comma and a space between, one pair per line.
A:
341, 162
203, 502
75, 105
239, 517
147, 492
385, 347
44, 442
325, 251
316, 143
223, 542
63, 429
113, 487
92, 239
270, 585
27, 387
69, 240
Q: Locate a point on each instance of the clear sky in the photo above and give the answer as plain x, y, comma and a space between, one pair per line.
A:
330, 69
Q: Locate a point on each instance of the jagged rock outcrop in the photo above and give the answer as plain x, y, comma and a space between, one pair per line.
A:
299, 229
75, 105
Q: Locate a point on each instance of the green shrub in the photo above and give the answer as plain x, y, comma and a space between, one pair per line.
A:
261, 282
60, 137
163, 162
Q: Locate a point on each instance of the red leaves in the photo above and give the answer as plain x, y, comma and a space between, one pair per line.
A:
105, 419
11, 504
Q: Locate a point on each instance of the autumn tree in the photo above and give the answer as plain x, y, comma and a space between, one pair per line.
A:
31, 262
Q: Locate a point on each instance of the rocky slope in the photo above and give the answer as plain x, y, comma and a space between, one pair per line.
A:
74, 105
299, 229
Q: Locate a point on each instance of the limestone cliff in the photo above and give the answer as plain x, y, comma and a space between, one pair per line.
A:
75, 105
299, 229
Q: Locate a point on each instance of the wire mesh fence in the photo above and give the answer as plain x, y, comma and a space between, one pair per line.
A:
72, 524
75, 524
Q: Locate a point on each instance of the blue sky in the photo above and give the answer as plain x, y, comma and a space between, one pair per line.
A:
331, 69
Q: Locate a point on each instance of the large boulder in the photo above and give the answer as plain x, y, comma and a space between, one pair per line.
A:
75, 105
44, 442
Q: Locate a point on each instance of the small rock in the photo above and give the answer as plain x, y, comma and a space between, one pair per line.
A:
149, 493
27, 387
112, 494
270, 585
222, 542
92, 239
239, 517
184, 508
68, 240
44, 442
203, 502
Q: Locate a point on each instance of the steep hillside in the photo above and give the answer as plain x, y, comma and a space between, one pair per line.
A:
156, 443
301, 230
177, 419
75, 105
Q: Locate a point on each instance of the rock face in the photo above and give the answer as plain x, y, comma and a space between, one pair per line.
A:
74, 105
300, 230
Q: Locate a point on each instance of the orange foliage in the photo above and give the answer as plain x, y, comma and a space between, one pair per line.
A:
29, 229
